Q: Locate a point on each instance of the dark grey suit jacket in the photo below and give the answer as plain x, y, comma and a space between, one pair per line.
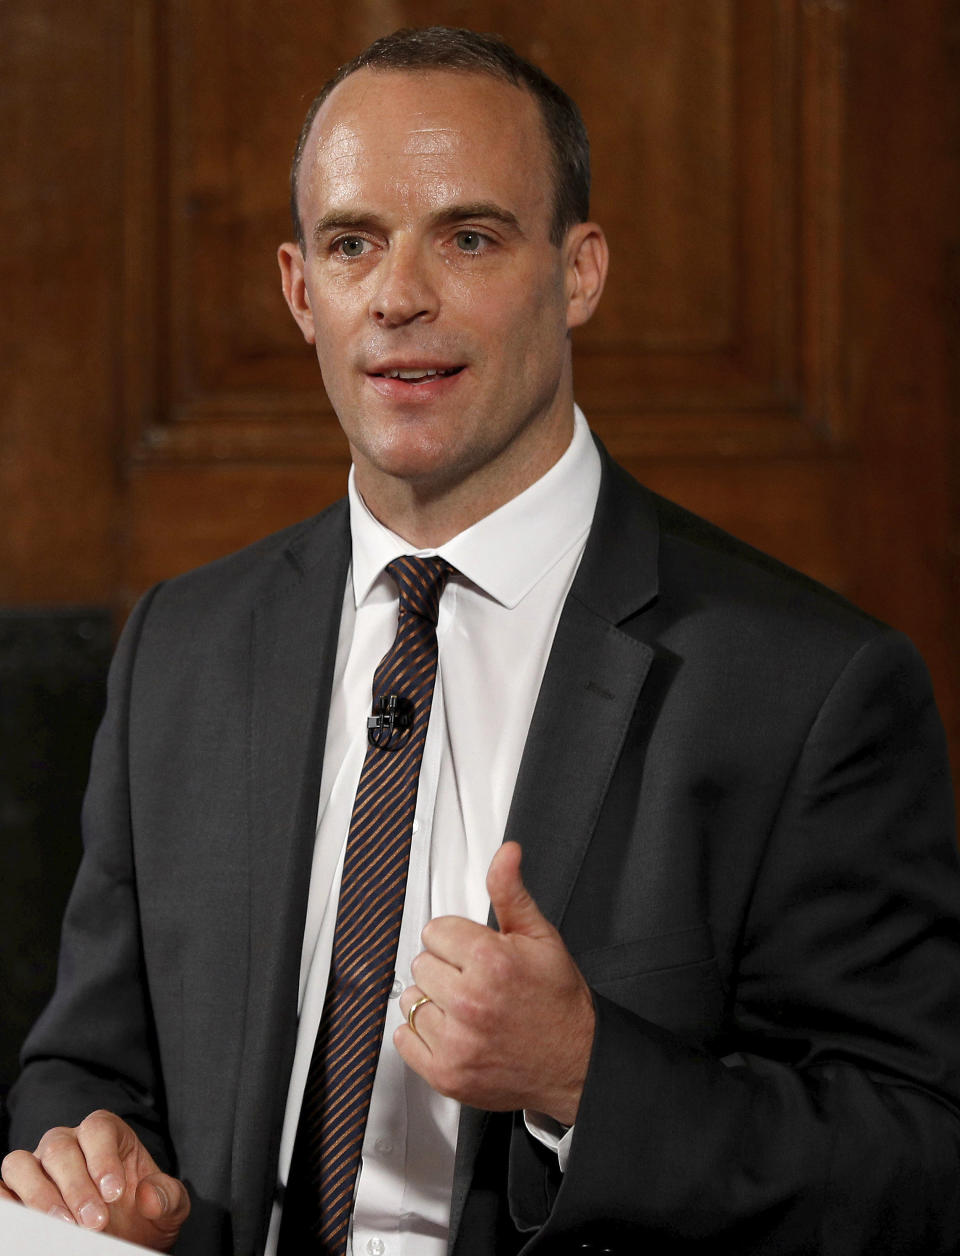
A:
733, 802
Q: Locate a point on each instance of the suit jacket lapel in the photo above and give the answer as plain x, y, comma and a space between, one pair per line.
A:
588, 695
587, 699
294, 634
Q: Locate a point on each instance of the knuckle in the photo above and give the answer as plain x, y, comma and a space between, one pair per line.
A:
469, 1007
94, 1122
500, 967
491, 958
13, 1162
53, 1142
484, 947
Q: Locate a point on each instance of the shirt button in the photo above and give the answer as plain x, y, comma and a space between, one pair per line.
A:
384, 1146
416, 826
396, 989
376, 1247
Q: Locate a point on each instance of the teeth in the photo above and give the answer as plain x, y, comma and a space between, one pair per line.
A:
416, 374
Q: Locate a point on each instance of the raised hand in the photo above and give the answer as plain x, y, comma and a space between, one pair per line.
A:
510, 1019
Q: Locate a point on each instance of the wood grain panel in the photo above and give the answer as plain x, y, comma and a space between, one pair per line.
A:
211, 510
700, 179
59, 278
779, 179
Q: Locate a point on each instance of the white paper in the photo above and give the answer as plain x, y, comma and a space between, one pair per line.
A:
24, 1232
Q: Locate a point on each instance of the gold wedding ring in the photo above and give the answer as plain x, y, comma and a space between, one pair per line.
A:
414, 1009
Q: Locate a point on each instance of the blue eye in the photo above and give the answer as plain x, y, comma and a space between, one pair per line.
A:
470, 241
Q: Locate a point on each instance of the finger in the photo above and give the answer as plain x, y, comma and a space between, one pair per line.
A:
412, 1050
106, 1141
25, 1181
55, 1180
435, 977
164, 1201
513, 906
426, 1015
452, 938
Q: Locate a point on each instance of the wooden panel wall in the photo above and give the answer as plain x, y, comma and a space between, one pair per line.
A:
779, 182
717, 175
60, 284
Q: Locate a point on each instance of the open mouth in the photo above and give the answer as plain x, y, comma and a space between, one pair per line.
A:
417, 375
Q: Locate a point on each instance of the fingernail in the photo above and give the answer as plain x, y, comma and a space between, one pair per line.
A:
92, 1215
61, 1214
162, 1196
111, 1187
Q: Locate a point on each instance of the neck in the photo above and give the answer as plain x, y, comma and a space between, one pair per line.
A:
427, 513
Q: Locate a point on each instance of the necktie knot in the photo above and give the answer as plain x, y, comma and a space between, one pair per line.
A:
421, 582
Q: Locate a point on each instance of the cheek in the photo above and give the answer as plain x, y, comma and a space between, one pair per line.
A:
333, 358
515, 319
335, 323
537, 331
337, 302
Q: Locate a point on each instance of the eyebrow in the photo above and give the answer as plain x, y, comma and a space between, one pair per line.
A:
476, 209
359, 219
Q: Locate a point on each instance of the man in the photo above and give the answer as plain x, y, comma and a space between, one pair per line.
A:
720, 1011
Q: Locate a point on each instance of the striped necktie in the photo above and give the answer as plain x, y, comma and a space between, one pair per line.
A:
326, 1155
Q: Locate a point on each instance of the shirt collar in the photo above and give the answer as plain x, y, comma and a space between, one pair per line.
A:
507, 552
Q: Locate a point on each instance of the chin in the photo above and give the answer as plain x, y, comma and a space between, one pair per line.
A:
412, 458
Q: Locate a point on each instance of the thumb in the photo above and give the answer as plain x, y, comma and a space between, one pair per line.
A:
163, 1200
513, 906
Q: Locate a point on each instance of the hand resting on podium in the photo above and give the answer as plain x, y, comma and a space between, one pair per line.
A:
100, 1176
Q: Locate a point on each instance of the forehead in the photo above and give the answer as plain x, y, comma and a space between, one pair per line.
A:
417, 132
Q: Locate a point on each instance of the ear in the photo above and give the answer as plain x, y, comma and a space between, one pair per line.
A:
587, 258
294, 286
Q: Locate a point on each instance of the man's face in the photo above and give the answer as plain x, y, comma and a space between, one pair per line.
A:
438, 306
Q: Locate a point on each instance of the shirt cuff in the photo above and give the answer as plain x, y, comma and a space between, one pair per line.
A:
551, 1133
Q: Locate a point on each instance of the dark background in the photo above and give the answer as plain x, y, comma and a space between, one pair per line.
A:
52, 673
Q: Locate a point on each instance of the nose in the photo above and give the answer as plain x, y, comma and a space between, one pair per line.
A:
404, 289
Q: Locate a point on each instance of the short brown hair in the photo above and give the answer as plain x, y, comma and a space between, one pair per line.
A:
469, 52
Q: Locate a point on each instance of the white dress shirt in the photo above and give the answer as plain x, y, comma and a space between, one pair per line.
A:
496, 625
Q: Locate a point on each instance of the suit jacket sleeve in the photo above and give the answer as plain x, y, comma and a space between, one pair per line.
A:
832, 1124
93, 1047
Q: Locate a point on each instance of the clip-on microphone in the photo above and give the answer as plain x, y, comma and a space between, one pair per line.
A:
390, 723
